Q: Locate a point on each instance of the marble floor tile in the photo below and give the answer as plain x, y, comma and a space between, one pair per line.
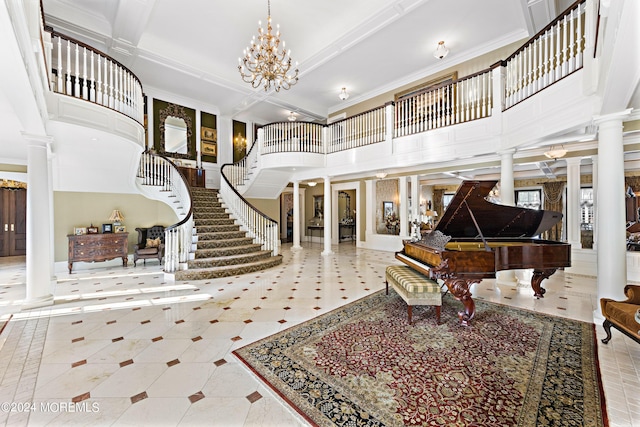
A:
149, 352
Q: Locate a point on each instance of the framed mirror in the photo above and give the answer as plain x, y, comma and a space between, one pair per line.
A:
175, 129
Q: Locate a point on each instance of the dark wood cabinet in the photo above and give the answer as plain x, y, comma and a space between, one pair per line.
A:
98, 247
13, 221
195, 176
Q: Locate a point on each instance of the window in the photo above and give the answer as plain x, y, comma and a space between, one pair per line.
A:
586, 208
530, 199
446, 199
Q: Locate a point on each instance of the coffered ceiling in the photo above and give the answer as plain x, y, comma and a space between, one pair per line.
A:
191, 48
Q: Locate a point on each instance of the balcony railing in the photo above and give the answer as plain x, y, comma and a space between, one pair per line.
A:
80, 71
552, 54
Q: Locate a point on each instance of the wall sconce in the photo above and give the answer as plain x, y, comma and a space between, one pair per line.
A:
441, 51
343, 94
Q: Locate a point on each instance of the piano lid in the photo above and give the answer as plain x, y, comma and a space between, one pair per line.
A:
494, 220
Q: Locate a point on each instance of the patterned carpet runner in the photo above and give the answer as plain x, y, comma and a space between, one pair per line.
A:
363, 365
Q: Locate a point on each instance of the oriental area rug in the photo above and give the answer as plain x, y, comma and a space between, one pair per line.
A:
363, 365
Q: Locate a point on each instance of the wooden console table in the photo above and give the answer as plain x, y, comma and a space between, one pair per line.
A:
98, 247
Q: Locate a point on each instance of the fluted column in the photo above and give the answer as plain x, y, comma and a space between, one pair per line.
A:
612, 251
327, 216
573, 202
296, 216
39, 213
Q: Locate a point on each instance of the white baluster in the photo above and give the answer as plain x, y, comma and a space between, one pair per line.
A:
92, 94
59, 85
581, 37
68, 88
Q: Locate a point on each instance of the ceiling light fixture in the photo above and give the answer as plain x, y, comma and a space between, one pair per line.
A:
381, 175
343, 94
441, 51
264, 63
555, 153
292, 117
311, 183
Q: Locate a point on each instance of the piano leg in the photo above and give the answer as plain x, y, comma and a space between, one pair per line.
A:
459, 288
536, 280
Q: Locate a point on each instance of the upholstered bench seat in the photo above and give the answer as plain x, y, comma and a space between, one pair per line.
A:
414, 288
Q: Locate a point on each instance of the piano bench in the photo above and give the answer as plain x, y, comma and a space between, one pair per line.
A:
414, 288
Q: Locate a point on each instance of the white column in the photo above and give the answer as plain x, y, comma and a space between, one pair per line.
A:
296, 216
150, 130
573, 202
612, 251
327, 216
39, 225
370, 197
415, 197
507, 197
403, 212
594, 185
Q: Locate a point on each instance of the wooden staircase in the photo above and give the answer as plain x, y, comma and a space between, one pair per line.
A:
222, 248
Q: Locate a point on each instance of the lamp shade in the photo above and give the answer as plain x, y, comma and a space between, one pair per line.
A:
116, 216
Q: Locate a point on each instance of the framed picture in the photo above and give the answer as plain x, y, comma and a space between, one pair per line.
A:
387, 208
119, 229
208, 134
107, 228
79, 231
92, 230
209, 148
318, 206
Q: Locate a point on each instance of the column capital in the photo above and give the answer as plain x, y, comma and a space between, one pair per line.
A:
509, 151
573, 160
37, 140
620, 115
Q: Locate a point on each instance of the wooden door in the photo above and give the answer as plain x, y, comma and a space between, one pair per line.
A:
13, 222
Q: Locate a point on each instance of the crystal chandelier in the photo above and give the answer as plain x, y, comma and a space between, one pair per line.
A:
265, 62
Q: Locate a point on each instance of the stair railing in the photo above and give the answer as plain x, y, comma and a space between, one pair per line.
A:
159, 171
260, 227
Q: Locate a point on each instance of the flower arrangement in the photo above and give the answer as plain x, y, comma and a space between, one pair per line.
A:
392, 220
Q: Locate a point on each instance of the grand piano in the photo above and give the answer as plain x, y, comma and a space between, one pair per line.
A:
475, 238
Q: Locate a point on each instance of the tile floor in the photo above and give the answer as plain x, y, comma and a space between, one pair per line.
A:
122, 347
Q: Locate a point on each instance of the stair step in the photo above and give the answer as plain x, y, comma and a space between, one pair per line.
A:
210, 215
229, 260
227, 251
221, 235
224, 243
226, 271
218, 228
213, 221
